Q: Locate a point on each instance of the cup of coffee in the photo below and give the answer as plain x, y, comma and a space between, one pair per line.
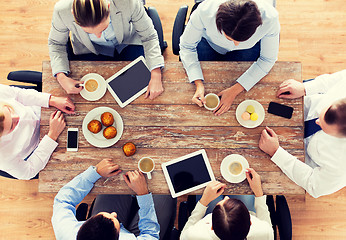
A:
235, 168
146, 165
212, 101
91, 85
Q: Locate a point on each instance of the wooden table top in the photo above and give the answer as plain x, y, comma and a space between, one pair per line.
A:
171, 126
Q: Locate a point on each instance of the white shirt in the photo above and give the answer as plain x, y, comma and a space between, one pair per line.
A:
202, 23
199, 227
25, 138
324, 169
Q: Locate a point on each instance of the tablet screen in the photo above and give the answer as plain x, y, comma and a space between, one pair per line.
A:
188, 173
131, 81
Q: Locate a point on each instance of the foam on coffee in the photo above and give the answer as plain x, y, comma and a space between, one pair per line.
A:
235, 168
146, 165
91, 85
211, 101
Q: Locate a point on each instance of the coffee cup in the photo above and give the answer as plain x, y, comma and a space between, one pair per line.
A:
235, 168
91, 85
146, 165
212, 101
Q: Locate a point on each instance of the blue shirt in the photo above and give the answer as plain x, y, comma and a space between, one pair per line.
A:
66, 225
202, 23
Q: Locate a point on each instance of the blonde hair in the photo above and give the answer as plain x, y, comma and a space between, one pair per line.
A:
90, 13
2, 116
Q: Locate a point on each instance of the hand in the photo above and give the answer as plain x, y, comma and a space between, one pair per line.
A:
106, 168
269, 142
227, 97
199, 98
56, 125
136, 181
291, 89
254, 181
62, 103
211, 192
68, 84
155, 87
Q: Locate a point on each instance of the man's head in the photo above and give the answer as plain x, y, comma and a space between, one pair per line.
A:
103, 226
332, 120
231, 219
238, 19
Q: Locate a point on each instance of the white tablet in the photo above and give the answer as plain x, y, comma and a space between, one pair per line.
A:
130, 82
188, 173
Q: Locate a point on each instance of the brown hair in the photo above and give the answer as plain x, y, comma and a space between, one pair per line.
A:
98, 227
90, 13
231, 220
336, 114
238, 19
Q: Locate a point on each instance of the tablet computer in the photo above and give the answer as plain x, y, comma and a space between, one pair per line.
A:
130, 82
188, 173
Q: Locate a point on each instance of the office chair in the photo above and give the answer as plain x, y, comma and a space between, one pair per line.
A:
25, 76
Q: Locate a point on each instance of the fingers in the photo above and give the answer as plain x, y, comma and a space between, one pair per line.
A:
147, 94
197, 101
271, 132
52, 115
126, 178
222, 109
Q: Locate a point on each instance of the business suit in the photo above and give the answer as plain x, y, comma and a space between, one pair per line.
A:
130, 22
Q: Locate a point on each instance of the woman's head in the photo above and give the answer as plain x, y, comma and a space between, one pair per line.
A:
90, 13
8, 119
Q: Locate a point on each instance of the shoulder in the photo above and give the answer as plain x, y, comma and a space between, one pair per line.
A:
63, 5
259, 229
268, 12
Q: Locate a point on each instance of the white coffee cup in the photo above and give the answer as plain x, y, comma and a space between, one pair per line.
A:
212, 101
235, 168
91, 85
146, 165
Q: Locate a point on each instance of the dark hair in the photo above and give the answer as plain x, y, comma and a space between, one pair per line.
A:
98, 227
231, 220
336, 114
90, 13
238, 19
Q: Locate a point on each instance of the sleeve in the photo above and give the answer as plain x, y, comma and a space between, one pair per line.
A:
27, 97
65, 202
196, 215
148, 35
323, 83
57, 43
266, 60
316, 181
189, 40
148, 225
27, 169
262, 211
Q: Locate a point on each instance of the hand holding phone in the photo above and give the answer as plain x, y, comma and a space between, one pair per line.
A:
280, 110
72, 139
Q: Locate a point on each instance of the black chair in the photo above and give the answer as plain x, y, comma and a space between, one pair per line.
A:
25, 76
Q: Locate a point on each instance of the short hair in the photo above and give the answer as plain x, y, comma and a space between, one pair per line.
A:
336, 115
2, 116
231, 220
98, 227
90, 13
238, 19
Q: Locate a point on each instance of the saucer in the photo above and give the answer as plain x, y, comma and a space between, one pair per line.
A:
100, 91
225, 164
242, 108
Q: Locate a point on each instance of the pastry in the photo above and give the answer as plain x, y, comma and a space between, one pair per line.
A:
110, 132
129, 149
94, 126
245, 116
107, 119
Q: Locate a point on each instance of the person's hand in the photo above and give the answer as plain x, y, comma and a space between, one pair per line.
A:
68, 84
155, 87
56, 125
227, 97
136, 181
291, 89
211, 192
198, 97
254, 181
107, 168
269, 142
62, 103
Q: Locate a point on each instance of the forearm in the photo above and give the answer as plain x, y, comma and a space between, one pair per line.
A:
261, 207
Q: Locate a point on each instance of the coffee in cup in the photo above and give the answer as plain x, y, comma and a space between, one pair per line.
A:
235, 168
212, 101
146, 165
91, 85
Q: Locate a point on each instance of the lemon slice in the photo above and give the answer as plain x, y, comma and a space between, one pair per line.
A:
250, 109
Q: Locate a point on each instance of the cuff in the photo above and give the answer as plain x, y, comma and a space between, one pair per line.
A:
49, 143
311, 88
91, 174
279, 156
161, 66
44, 100
195, 74
145, 200
246, 81
200, 206
260, 200
66, 73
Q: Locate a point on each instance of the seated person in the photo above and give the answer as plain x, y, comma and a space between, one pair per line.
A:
230, 30
111, 214
324, 169
22, 154
103, 30
230, 218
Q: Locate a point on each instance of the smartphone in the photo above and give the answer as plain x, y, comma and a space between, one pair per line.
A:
72, 139
280, 110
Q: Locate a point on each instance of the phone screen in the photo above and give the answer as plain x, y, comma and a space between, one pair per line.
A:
280, 110
72, 139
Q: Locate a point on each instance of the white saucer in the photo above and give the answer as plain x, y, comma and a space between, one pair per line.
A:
98, 140
225, 164
242, 108
100, 91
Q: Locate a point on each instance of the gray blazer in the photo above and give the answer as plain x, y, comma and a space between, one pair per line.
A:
130, 22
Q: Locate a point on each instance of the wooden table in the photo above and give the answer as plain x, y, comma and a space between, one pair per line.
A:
171, 126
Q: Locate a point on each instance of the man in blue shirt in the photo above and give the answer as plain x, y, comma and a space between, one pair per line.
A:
104, 225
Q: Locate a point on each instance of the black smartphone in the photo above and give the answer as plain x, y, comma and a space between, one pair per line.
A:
72, 139
280, 110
